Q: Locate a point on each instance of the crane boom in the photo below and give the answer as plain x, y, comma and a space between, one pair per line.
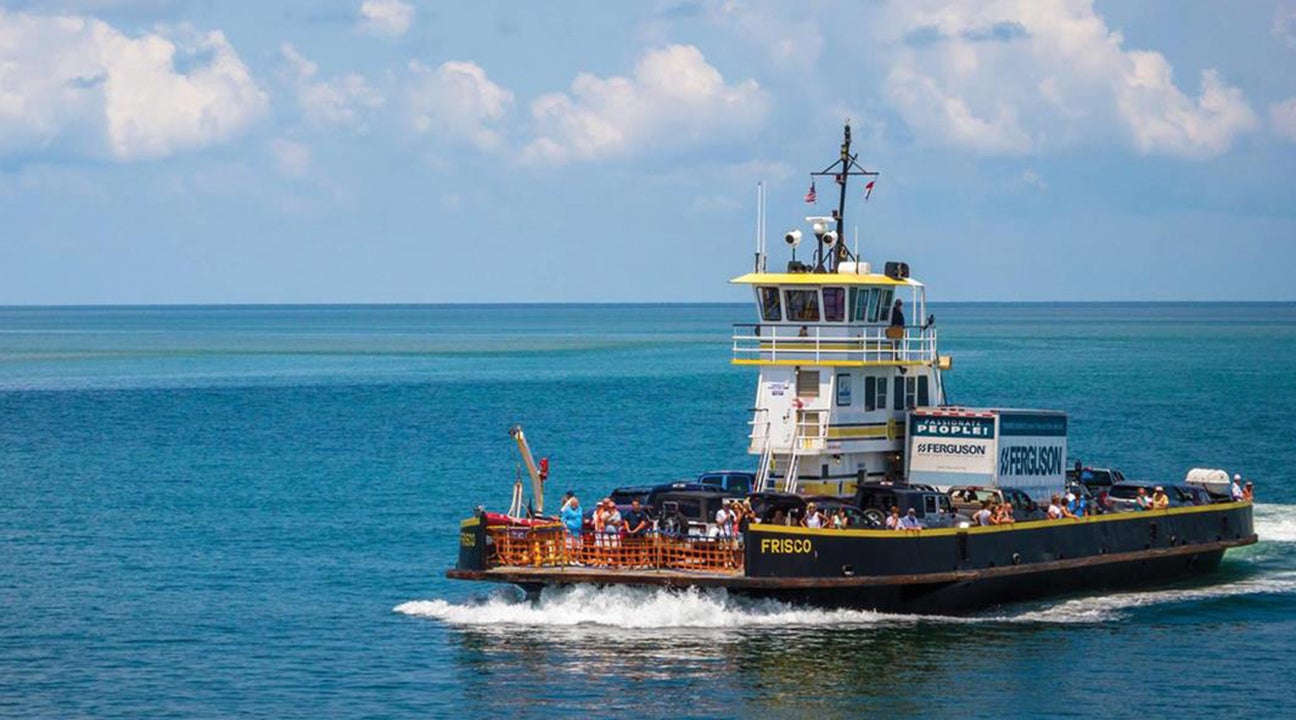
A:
537, 478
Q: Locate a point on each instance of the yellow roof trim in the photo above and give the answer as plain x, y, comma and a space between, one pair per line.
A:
811, 362
820, 279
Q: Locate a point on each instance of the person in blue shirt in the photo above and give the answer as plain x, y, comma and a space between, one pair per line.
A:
1076, 504
572, 517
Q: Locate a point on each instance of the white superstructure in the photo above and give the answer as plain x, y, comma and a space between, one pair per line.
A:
836, 376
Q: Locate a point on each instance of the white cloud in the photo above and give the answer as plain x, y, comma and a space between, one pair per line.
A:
782, 31
291, 158
1284, 23
457, 102
718, 204
344, 101
1282, 119
675, 98
1033, 179
1019, 76
388, 18
79, 86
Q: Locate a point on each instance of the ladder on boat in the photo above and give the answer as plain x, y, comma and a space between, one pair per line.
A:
794, 458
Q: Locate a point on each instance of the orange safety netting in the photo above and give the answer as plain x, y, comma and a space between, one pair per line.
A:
552, 546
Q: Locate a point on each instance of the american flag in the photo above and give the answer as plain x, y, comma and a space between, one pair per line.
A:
868, 189
811, 196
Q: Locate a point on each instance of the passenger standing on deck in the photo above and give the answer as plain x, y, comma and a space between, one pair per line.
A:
897, 315
1248, 492
1004, 514
813, 518
893, 520
611, 518
839, 519
984, 517
724, 520
1160, 501
1142, 501
910, 521
1235, 490
1075, 502
572, 517
636, 520
1057, 510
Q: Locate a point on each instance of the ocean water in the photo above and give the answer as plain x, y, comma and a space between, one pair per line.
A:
218, 512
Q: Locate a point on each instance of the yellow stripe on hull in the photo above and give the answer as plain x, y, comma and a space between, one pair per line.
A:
939, 532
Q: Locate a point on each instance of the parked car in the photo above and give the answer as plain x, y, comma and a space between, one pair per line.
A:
767, 506
738, 482
1096, 479
1190, 494
931, 506
1123, 497
967, 499
688, 512
623, 496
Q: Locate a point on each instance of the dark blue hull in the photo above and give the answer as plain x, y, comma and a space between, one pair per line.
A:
942, 570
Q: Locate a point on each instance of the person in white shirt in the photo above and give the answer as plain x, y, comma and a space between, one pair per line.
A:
1235, 490
910, 521
813, 518
1055, 508
893, 520
724, 520
982, 516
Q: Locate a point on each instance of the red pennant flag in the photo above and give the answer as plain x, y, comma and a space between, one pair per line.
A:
868, 190
811, 196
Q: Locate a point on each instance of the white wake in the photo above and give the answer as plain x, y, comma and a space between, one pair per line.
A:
635, 608
1275, 523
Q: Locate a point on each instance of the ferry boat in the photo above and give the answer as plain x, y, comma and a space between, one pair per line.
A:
850, 404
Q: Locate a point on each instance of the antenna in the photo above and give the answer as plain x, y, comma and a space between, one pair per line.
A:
760, 225
760, 198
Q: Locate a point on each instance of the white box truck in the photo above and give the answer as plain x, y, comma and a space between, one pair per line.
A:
1024, 449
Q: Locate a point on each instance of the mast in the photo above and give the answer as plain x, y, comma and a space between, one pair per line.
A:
841, 170
839, 250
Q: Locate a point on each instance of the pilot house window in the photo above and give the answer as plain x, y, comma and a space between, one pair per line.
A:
834, 304
802, 305
771, 311
882, 308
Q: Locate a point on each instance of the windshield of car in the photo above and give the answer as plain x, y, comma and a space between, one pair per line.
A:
732, 482
975, 497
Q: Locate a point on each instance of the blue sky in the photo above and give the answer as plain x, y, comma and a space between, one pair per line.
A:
173, 151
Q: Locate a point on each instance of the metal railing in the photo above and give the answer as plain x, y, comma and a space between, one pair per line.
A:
553, 546
834, 343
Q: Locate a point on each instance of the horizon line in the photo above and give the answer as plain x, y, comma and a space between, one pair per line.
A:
590, 303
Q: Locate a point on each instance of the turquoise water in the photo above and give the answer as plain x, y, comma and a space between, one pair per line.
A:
213, 512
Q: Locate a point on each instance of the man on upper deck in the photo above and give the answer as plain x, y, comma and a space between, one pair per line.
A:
897, 315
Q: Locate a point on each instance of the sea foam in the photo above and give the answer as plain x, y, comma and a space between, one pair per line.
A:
1275, 523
